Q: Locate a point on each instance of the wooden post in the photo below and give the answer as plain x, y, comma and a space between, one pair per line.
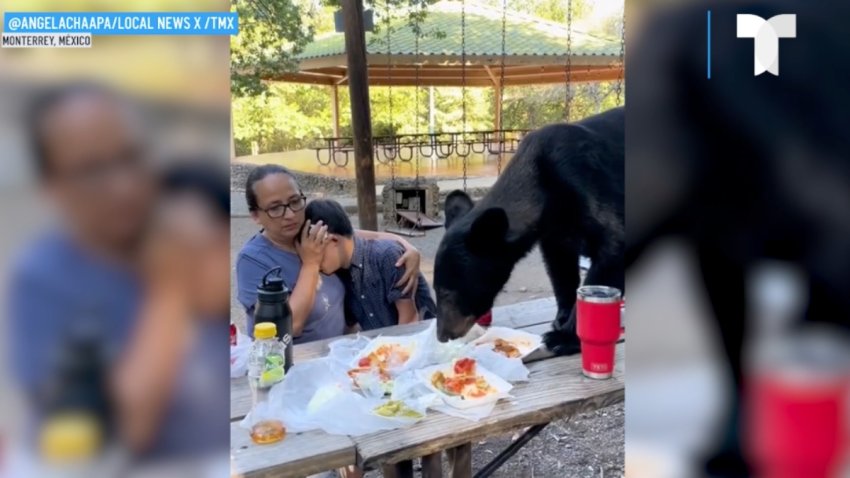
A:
361, 124
335, 108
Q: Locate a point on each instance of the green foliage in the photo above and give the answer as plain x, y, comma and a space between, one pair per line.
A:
529, 107
282, 117
271, 33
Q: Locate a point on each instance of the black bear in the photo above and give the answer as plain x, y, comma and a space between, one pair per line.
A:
743, 170
564, 189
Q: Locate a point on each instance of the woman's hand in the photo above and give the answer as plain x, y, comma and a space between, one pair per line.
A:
410, 260
311, 247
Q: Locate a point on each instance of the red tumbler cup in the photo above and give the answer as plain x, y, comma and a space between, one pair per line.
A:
798, 411
598, 327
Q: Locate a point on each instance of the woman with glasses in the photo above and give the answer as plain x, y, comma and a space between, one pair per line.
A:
277, 204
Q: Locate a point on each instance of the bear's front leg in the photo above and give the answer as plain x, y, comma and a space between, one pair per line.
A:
562, 339
561, 261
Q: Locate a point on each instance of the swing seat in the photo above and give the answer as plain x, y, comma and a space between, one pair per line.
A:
412, 224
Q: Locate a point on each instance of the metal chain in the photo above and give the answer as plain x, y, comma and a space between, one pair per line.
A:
569, 68
463, 89
618, 88
418, 33
390, 93
502, 90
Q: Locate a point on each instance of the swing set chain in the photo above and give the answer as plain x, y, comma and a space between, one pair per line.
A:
463, 79
618, 87
418, 33
502, 90
390, 95
568, 73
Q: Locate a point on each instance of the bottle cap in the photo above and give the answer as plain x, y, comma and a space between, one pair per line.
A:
70, 437
265, 330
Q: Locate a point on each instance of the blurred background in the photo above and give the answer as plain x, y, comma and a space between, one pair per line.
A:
114, 258
738, 188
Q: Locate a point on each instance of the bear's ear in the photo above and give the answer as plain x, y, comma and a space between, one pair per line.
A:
458, 203
489, 231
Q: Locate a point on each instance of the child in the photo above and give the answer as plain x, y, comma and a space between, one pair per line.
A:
367, 268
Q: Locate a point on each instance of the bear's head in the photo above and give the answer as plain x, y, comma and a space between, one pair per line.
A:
473, 263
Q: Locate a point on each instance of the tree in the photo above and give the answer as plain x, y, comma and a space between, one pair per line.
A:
271, 33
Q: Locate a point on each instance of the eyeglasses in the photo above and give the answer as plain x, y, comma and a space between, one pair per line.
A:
278, 210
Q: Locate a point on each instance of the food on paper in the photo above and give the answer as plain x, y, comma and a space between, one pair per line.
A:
365, 378
463, 382
509, 342
506, 348
396, 408
385, 355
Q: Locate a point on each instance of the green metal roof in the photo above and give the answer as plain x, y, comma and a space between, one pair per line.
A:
523, 36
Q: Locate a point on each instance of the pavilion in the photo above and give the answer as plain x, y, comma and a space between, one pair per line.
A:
535, 53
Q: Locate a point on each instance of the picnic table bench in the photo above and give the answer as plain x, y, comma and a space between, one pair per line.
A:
555, 389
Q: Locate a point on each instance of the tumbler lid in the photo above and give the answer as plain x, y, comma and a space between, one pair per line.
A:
600, 294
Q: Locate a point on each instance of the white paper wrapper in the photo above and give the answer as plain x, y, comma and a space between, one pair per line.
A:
416, 345
502, 387
524, 341
510, 369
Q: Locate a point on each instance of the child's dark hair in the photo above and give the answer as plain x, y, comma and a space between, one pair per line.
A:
203, 177
332, 215
258, 174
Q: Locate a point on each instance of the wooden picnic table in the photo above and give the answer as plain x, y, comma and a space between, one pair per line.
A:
556, 389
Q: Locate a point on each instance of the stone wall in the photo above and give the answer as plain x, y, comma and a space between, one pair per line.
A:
312, 184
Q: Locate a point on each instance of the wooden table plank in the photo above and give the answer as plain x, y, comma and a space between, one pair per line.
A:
299, 454
525, 314
556, 389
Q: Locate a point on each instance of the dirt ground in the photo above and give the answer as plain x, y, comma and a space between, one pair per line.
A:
589, 445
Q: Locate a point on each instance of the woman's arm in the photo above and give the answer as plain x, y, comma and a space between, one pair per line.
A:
143, 382
145, 377
407, 313
410, 259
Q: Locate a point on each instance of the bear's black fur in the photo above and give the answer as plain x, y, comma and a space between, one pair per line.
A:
564, 190
743, 168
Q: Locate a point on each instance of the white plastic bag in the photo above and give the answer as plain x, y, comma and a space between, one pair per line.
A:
239, 355
345, 350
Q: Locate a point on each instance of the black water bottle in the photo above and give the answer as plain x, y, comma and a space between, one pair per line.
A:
75, 396
273, 306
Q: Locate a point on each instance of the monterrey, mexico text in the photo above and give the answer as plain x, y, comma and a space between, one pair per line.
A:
46, 40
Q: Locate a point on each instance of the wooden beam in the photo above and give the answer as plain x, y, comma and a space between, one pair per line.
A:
361, 124
451, 76
492, 76
491, 60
